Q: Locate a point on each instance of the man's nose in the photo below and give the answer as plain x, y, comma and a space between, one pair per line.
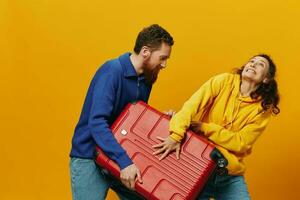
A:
163, 64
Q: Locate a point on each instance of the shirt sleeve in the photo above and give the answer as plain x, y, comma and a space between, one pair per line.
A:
237, 141
104, 95
197, 104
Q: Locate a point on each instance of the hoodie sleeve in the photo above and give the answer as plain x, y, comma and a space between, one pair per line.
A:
104, 94
196, 105
237, 141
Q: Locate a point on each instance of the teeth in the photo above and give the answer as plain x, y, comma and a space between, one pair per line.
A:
250, 70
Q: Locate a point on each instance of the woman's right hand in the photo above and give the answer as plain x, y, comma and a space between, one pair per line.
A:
167, 146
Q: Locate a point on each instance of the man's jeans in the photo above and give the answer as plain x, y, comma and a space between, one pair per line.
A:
89, 182
225, 188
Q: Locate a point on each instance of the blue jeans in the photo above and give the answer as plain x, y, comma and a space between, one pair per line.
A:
90, 182
225, 187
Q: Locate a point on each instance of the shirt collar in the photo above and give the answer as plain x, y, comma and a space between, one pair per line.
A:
128, 68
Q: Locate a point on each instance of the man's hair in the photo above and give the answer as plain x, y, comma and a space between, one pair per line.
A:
152, 37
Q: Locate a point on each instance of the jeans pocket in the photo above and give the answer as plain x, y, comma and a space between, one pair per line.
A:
76, 164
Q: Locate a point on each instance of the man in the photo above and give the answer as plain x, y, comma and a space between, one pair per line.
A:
118, 82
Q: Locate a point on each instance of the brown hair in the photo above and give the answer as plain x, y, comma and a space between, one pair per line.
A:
152, 37
268, 91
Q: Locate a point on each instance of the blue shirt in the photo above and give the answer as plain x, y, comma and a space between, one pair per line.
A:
114, 85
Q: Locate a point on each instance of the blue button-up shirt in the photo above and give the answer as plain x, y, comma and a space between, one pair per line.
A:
114, 85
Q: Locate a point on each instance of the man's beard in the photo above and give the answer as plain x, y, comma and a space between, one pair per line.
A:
151, 75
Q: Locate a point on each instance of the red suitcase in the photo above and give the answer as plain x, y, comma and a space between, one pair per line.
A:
136, 130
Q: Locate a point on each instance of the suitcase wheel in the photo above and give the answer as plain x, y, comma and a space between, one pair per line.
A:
222, 162
218, 158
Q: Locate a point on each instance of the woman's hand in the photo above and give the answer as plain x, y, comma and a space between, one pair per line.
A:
167, 146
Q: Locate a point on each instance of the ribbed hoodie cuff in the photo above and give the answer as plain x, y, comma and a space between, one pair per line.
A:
124, 161
176, 137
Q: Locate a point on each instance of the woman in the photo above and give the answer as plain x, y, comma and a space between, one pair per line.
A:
231, 110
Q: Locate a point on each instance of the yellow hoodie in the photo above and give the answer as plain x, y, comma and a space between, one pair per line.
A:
230, 121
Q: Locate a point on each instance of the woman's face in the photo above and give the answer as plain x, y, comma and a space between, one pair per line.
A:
256, 70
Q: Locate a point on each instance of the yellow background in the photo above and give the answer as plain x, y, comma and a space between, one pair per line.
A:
49, 51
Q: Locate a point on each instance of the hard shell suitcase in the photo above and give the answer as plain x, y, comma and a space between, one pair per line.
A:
136, 130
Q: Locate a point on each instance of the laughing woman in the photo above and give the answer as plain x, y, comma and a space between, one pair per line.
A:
231, 110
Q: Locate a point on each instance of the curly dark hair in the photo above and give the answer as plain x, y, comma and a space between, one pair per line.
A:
152, 37
268, 91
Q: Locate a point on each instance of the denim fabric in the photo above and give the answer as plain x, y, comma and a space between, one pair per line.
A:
90, 182
225, 187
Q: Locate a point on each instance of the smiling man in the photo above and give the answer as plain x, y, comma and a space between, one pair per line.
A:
117, 82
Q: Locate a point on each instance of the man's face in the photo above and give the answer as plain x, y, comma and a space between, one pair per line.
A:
156, 61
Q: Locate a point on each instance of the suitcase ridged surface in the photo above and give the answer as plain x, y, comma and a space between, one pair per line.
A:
136, 130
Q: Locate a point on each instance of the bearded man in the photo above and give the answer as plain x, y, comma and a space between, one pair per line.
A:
117, 82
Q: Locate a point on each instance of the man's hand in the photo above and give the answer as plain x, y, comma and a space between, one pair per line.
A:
170, 113
129, 174
167, 146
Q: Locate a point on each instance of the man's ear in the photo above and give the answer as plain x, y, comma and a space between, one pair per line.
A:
145, 52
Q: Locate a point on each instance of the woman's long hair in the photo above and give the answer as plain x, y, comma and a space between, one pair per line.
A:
268, 91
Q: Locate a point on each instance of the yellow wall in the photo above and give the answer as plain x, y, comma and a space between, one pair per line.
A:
49, 51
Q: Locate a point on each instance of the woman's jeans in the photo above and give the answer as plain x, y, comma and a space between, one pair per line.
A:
225, 187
